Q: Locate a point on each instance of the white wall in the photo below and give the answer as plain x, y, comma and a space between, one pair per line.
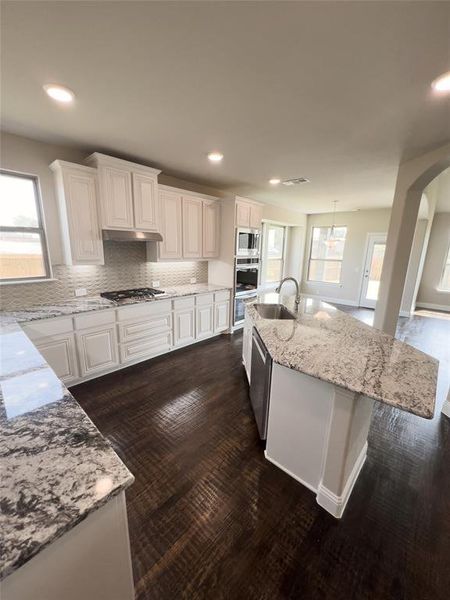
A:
434, 261
359, 224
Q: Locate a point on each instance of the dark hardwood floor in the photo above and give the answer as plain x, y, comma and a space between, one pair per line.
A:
210, 518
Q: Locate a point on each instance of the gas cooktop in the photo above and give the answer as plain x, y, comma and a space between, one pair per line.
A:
137, 293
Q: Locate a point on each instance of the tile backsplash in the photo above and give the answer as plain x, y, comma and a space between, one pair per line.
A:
125, 267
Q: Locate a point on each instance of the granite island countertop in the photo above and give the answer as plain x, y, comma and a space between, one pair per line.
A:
331, 345
91, 303
56, 466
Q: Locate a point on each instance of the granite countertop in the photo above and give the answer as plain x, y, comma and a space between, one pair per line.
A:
56, 466
331, 345
90, 303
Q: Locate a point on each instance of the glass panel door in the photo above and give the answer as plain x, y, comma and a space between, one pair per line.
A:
372, 270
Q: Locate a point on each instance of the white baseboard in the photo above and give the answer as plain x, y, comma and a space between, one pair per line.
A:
299, 479
441, 307
446, 409
344, 301
335, 505
405, 313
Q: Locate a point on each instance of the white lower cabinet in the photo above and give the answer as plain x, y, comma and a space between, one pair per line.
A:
204, 321
97, 349
91, 344
221, 316
184, 327
145, 348
59, 352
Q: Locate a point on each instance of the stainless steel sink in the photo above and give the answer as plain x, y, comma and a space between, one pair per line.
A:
273, 311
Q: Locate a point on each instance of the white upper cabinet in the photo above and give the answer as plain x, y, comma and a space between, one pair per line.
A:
242, 214
145, 195
77, 199
255, 216
248, 214
128, 193
192, 227
171, 229
116, 198
211, 231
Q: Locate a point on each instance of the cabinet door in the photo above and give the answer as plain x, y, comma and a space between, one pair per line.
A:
204, 321
211, 232
59, 352
192, 227
171, 225
184, 326
79, 200
221, 316
116, 198
97, 350
145, 200
242, 214
255, 216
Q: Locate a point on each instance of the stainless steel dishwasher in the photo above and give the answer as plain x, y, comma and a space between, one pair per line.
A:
261, 375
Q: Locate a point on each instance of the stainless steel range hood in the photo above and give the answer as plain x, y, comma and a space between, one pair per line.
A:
118, 235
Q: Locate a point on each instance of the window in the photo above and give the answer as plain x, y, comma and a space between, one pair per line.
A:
444, 284
23, 249
274, 244
327, 251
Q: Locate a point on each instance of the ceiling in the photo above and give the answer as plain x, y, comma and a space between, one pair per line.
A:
337, 92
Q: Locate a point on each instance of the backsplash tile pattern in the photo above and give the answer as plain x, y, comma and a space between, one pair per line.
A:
125, 267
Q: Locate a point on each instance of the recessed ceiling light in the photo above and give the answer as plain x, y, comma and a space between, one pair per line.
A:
442, 83
59, 93
215, 156
274, 181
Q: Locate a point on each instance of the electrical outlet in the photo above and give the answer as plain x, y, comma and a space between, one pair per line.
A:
155, 283
80, 292
193, 279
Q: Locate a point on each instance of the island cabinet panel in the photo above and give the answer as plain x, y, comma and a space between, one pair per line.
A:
76, 187
60, 353
192, 227
116, 198
145, 199
171, 225
211, 229
97, 349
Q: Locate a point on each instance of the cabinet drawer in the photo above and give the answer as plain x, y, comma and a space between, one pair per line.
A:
146, 309
146, 348
94, 319
129, 331
222, 296
47, 327
204, 299
181, 303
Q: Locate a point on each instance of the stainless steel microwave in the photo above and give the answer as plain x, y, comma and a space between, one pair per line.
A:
247, 242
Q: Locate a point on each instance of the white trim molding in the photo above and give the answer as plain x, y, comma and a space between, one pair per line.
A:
335, 505
441, 307
343, 301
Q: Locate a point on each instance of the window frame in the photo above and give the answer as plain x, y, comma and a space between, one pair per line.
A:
265, 256
444, 265
339, 260
40, 230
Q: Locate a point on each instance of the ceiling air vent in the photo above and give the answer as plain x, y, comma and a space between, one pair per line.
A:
295, 181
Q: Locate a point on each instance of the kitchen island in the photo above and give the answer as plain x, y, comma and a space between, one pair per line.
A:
328, 369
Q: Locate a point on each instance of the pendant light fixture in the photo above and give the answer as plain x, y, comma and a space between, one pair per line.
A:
331, 239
